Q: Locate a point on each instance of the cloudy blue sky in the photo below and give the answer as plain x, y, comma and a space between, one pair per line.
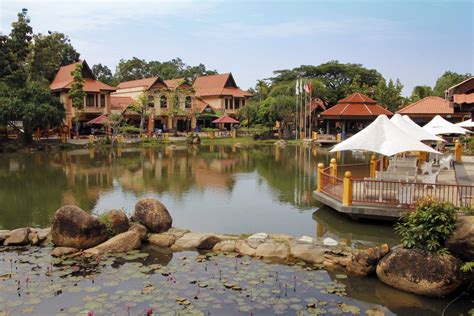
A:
415, 41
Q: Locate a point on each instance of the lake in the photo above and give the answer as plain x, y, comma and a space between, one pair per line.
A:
222, 189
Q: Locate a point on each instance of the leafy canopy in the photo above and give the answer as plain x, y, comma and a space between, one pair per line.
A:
429, 226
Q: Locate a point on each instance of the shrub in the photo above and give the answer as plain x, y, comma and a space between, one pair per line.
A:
429, 226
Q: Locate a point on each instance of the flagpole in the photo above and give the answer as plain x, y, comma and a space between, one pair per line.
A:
310, 111
296, 106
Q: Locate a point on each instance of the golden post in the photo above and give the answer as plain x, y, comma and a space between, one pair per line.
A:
91, 139
339, 136
333, 165
320, 176
373, 166
458, 150
315, 135
212, 135
347, 189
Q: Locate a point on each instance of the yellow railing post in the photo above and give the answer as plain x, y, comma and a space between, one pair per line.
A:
347, 189
373, 166
333, 165
91, 139
458, 150
339, 136
302, 136
320, 176
212, 134
315, 135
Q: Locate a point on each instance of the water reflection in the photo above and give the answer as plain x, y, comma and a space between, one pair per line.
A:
207, 188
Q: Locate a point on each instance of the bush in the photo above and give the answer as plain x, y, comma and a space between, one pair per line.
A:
429, 226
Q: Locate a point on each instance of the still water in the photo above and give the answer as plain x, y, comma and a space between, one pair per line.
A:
221, 189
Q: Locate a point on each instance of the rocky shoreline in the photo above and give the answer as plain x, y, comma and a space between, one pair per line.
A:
75, 232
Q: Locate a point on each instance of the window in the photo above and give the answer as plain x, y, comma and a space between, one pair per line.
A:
176, 101
151, 101
89, 99
163, 102
102, 100
226, 104
243, 102
236, 104
188, 102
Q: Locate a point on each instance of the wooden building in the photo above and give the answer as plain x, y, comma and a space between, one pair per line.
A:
423, 111
461, 97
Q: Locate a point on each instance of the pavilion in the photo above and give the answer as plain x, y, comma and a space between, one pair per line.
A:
461, 97
424, 110
352, 114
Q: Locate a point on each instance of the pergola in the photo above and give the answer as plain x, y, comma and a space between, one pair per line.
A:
353, 113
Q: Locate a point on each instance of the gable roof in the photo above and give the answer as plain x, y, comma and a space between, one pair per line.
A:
428, 105
357, 105
63, 79
173, 83
218, 85
467, 84
145, 82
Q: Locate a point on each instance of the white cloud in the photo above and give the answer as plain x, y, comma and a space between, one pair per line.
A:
70, 16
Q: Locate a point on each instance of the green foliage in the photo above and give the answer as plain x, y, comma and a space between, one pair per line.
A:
104, 219
136, 68
447, 80
421, 92
467, 267
103, 73
48, 54
429, 226
389, 95
76, 93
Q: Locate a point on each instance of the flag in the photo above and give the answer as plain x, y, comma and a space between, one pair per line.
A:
310, 87
297, 88
301, 86
306, 88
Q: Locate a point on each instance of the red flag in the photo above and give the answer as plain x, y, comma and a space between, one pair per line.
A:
310, 87
306, 88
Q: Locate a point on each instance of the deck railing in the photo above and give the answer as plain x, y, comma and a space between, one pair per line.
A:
363, 191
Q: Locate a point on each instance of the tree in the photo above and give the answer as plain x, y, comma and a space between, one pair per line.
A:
48, 54
103, 73
249, 112
389, 95
76, 93
335, 77
140, 106
132, 69
420, 92
447, 80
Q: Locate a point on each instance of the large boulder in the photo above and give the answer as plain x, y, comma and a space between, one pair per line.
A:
153, 214
307, 252
118, 221
272, 249
461, 244
244, 249
4, 235
75, 228
140, 229
63, 251
161, 240
420, 272
123, 242
365, 261
192, 241
17, 237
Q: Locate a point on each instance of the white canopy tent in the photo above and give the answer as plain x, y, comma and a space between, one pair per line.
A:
383, 137
410, 121
467, 123
439, 125
414, 130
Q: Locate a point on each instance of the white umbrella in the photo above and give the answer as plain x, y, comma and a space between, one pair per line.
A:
414, 129
439, 125
467, 123
383, 137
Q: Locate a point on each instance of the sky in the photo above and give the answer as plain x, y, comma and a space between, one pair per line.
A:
414, 41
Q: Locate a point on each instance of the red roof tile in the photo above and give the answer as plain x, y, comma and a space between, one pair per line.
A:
218, 85
358, 98
173, 83
356, 104
428, 105
120, 103
146, 83
63, 79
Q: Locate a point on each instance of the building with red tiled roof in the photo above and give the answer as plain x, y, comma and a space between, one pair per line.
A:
423, 111
197, 105
221, 92
461, 97
352, 113
96, 101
